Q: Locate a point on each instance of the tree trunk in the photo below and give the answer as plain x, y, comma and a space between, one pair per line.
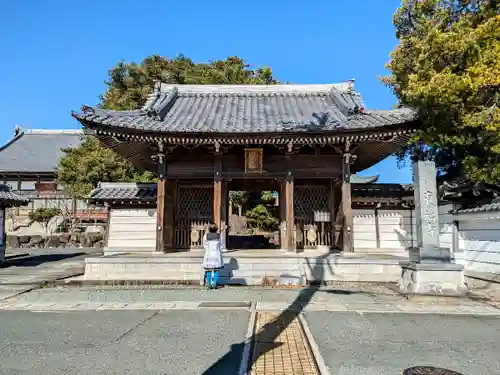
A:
239, 210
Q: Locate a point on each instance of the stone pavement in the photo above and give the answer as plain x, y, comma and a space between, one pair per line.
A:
260, 299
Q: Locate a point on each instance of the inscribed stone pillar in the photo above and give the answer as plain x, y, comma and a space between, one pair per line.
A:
430, 270
428, 249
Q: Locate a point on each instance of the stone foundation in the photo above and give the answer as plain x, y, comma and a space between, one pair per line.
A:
435, 279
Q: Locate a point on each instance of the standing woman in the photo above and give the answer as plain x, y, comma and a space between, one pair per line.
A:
212, 261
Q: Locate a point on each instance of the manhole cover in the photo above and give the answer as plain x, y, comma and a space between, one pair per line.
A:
429, 370
224, 304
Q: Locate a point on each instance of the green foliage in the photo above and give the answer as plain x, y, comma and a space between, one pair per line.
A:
238, 198
267, 196
82, 168
260, 217
447, 67
130, 84
43, 215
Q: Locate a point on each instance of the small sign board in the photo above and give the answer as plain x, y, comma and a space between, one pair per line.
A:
254, 160
322, 216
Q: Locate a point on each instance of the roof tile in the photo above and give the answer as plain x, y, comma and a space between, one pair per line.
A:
249, 109
37, 150
8, 198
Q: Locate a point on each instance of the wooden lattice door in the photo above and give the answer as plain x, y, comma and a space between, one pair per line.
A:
313, 226
194, 214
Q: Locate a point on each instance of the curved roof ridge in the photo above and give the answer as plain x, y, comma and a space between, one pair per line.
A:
52, 131
242, 89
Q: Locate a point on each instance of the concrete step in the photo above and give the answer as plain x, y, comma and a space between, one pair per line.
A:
246, 271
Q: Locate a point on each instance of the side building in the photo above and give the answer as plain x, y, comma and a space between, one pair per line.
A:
28, 165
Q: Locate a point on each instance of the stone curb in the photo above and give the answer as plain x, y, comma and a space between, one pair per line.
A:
318, 358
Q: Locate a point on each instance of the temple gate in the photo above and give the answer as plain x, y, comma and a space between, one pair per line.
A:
307, 138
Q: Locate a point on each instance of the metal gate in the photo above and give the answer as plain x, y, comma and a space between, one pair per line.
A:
193, 215
313, 224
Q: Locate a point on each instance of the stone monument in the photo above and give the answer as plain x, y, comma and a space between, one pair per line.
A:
430, 269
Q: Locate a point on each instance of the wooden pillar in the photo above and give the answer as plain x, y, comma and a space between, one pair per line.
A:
217, 202
282, 204
332, 202
223, 214
169, 213
347, 228
161, 193
290, 213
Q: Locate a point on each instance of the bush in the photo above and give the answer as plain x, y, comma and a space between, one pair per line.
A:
259, 217
44, 215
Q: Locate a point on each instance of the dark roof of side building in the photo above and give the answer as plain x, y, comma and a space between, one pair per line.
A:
8, 198
248, 109
146, 192
31, 151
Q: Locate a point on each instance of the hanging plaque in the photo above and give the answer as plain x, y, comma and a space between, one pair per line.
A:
253, 160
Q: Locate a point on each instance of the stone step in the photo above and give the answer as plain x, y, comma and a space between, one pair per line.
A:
249, 271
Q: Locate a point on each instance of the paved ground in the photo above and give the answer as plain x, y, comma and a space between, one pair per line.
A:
152, 298
38, 266
212, 342
132, 342
386, 344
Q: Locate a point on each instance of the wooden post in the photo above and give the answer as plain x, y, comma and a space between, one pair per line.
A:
283, 227
223, 216
347, 160
169, 212
331, 207
290, 213
161, 193
217, 209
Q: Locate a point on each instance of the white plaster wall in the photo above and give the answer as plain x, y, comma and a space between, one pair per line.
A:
396, 228
132, 230
479, 241
446, 226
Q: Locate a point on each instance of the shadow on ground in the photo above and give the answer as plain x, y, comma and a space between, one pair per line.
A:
36, 260
230, 362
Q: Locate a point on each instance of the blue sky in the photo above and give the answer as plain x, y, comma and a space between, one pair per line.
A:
56, 54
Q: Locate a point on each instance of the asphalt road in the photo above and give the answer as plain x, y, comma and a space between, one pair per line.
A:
121, 342
386, 344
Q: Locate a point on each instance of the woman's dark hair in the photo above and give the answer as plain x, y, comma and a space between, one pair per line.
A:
212, 228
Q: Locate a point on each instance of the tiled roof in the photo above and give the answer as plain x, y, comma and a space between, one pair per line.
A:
247, 109
136, 192
489, 207
355, 179
8, 198
124, 191
37, 150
